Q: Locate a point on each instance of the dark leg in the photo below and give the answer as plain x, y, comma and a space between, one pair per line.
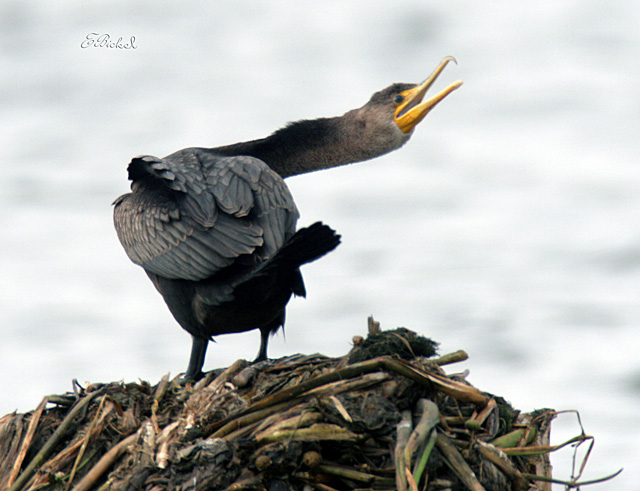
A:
267, 331
264, 340
198, 351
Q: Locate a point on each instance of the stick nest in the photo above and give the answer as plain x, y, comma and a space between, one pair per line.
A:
385, 416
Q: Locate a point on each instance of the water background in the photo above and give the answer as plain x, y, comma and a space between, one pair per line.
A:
508, 226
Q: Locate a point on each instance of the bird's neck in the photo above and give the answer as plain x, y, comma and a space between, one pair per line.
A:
310, 145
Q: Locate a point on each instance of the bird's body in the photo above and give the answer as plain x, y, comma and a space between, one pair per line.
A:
215, 229
217, 237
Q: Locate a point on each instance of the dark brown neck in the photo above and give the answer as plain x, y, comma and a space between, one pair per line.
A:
310, 145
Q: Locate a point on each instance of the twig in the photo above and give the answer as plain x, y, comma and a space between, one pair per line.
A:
261, 425
227, 375
542, 465
315, 433
335, 388
252, 482
160, 390
347, 473
413, 486
457, 464
575, 453
303, 419
53, 441
373, 325
247, 419
429, 418
162, 442
341, 409
542, 449
455, 389
449, 358
499, 459
516, 438
482, 416
572, 484
107, 460
403, 432
290, 393
348, 372
33, 424
424, 458
85, 441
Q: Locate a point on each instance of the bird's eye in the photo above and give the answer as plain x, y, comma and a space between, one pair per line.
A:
398, 99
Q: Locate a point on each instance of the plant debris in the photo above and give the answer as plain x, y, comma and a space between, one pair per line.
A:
385, 417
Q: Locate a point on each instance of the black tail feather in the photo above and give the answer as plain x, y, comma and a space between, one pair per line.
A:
307, 245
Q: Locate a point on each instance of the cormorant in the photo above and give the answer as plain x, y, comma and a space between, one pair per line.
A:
215, 229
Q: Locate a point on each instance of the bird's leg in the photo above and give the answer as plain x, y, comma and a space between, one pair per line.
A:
264, 340
267, 331
198, 352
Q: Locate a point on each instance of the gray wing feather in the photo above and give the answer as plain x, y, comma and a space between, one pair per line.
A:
243, 185
181, 172
193, 213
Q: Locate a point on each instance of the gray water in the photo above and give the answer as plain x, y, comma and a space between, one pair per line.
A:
508, 225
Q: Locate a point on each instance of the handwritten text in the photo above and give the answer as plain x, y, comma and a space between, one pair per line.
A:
97, 40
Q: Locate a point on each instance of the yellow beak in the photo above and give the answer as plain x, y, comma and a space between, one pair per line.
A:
412, 109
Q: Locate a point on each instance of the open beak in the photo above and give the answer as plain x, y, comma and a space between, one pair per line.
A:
413, 109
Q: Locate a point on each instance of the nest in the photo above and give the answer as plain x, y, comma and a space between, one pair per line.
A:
386, 416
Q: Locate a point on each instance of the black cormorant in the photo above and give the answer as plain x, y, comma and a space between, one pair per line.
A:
215, 229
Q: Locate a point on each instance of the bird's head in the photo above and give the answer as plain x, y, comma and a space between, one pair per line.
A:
409, 106
393, 113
